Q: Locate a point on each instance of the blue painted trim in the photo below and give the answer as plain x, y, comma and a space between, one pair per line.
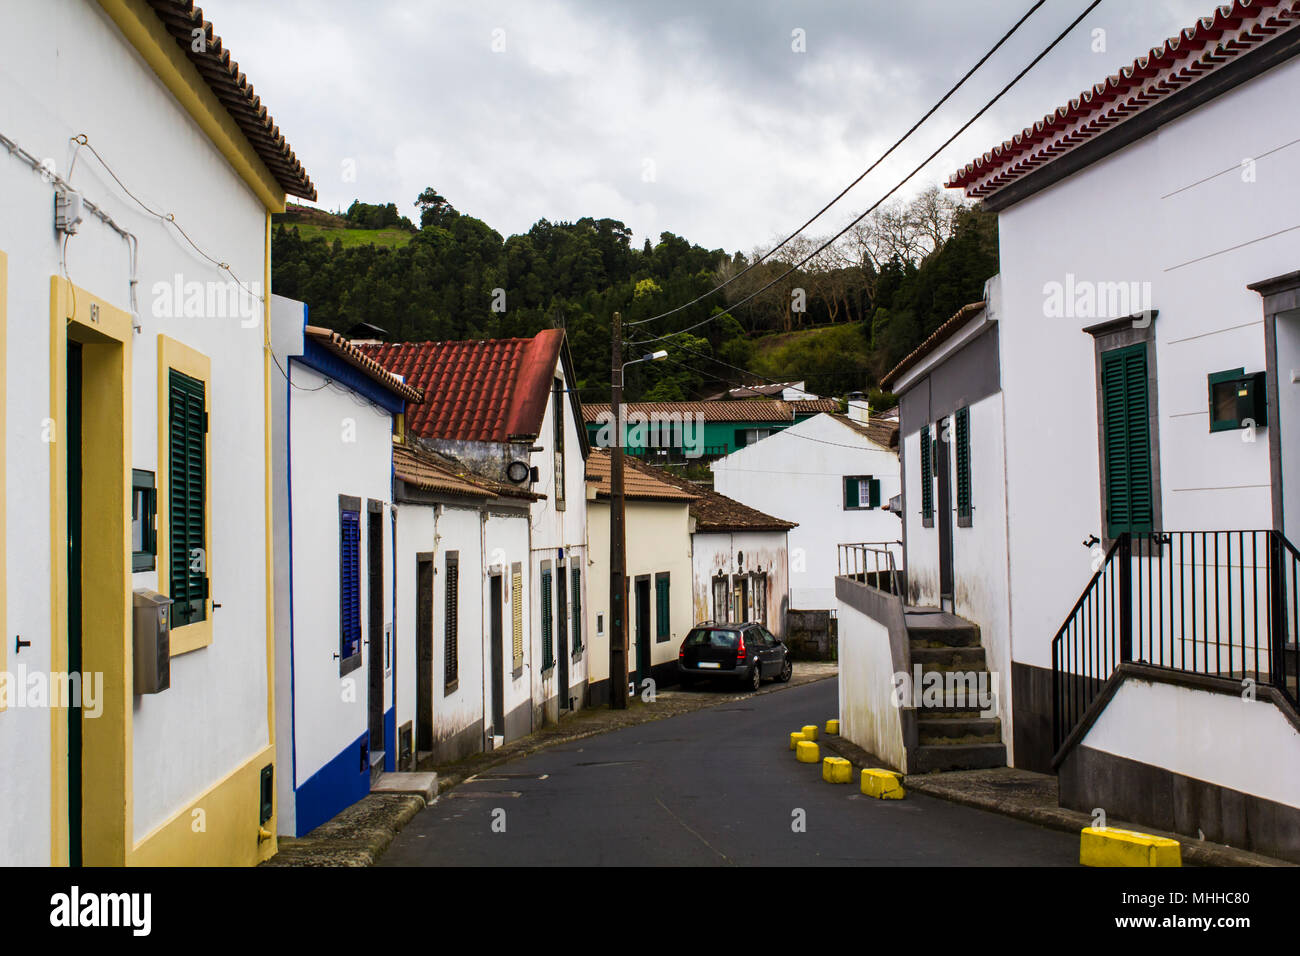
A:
334, 787
331, 366
390, 733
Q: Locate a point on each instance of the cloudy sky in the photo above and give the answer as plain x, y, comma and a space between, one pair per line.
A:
699, 117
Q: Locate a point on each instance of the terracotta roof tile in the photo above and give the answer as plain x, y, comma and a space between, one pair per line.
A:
355, 357
714, 511
640, 482
182, 18
881, 431
484, 390
933, 341
1214, 42
433, 472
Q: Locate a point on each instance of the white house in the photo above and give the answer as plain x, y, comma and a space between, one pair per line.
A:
506, 410
659, 573
1146, 328
135, 408
739, 560
831, 474
333, 419
464, 661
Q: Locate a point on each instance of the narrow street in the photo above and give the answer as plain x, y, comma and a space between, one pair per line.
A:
716, 787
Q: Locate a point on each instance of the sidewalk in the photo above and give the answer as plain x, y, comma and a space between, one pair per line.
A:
360, 834
1033, 797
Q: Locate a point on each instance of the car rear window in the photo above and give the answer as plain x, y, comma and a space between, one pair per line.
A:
711, 637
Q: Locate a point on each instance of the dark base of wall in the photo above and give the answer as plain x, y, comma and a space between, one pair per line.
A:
664, 675
519, 722
811, 635
1031, 717
1129, 790
460, 744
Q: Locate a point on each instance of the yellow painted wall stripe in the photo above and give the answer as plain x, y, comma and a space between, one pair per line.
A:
142, 28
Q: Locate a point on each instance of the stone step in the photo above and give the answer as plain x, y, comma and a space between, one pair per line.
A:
949, 730
943, 635
964, 756
949, 657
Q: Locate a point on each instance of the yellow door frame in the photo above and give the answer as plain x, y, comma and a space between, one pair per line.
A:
105, 333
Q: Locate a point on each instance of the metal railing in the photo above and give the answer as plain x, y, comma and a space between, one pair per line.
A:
872, 563
1217, 603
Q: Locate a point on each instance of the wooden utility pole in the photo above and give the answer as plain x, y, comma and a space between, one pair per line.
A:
617, 536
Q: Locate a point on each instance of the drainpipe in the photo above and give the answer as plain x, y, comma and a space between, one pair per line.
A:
485, 616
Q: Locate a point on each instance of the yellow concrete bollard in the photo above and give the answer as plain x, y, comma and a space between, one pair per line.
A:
882, 784
833, 727
795, 738
1106, 846
837, 770
809, 731
807, 752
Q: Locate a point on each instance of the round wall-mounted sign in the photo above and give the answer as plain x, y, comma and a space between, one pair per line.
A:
517, 471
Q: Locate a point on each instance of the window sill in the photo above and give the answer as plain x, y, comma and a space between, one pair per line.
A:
449, 689
191, 637
349, 664
548, 670
517, 673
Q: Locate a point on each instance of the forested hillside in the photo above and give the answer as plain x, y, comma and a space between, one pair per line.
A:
870, 297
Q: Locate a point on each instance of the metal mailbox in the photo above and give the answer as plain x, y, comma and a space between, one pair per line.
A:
152, 641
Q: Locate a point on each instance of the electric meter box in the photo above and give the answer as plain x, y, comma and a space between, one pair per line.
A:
1237, 400
151, 616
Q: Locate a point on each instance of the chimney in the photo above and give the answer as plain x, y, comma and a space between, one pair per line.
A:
859, 410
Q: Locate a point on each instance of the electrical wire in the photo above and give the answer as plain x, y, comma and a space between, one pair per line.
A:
948, 142
863, 175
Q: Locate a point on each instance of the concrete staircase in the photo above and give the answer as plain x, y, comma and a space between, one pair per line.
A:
950, 733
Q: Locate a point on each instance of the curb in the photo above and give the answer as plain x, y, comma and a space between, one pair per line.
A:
1194, 852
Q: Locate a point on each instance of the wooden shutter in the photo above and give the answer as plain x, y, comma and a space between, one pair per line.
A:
662, 629
873, 485
548, 648
451, 622
851, 493
962, 428
187, 495
517, 620
1126, 432
927, 480
576, 603
349, 584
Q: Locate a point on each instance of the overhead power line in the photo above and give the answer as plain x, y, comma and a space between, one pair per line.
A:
901, 183
863, 175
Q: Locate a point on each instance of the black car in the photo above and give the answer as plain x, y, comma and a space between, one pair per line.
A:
748, 653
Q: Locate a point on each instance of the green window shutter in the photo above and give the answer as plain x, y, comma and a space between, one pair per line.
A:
874, 485
927, 481
850, 493
662, 629
451, 622
187, 496
962, 420
576, 604
1126, 433
548, 646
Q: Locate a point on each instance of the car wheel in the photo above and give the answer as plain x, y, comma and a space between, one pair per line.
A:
755, 678
787, 671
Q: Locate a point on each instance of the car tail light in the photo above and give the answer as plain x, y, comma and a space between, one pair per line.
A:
681, 651
740, 651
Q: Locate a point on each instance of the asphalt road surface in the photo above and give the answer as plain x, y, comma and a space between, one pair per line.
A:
713, 788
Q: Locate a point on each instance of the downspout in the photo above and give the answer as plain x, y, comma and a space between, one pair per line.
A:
485, 651
392, 645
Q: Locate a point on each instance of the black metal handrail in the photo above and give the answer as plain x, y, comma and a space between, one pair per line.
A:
1218, 603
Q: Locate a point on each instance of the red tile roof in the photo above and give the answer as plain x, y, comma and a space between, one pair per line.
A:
640, 481
432, 472
1214, 42
358, 359
486, 390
